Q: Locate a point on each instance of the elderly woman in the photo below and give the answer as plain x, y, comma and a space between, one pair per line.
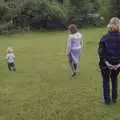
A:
74, 47
109, 54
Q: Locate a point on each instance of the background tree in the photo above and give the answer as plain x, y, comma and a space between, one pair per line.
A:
22, 14
104, 9
77, 11
114, 8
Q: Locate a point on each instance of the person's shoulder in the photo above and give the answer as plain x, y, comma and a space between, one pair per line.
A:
12, 53
119, 33
70, 35
79, 34
76, 35
105, 35
103, 38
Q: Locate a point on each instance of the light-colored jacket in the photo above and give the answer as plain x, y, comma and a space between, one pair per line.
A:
10, 57
75, 41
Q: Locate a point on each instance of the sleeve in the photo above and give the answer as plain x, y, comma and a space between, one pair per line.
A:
81, 41
68, 48
13, 55
102, 50
81, 44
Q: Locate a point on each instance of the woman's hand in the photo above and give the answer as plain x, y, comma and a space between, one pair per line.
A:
110, 66
117, 66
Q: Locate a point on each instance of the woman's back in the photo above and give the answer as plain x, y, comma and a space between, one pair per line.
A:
112, 45
76, 40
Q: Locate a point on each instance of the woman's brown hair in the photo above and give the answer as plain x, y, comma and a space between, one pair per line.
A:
72, 28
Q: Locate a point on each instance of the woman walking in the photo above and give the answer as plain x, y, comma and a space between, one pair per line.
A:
74, 48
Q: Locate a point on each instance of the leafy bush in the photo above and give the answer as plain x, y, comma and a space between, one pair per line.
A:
3, 12
96, 19
6, 27
40, 14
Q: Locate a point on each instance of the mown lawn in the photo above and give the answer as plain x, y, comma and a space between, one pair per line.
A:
42, 88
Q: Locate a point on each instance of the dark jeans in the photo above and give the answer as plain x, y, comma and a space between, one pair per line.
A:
11, 66
107, 75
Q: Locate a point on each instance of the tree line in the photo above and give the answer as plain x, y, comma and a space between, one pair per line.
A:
36, 14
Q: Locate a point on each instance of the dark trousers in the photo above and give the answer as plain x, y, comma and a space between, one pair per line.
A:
11, 66
108, 75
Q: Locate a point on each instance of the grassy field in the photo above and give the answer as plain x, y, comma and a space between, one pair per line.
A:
42, 88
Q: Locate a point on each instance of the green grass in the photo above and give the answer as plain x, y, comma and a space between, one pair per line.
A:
42, 88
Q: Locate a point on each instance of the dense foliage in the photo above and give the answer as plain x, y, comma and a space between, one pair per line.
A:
35, 14
115, 8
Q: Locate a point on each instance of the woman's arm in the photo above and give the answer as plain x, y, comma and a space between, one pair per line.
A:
102, 55
102, 50
110, 66
68, 47
81, 42
14, 55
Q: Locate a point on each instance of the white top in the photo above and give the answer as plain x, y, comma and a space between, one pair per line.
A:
10, 57
75, 41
